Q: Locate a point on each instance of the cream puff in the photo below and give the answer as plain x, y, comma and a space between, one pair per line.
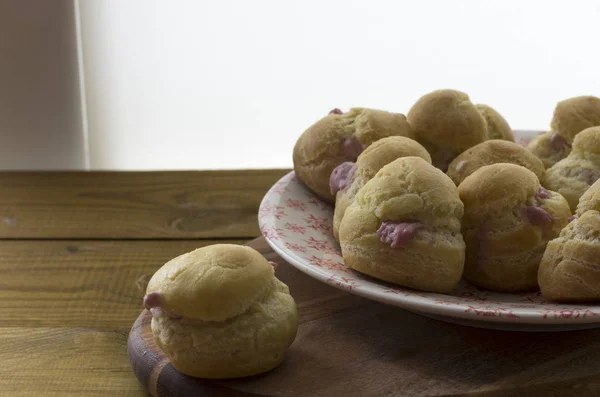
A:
341, 137
573, 175
404, 227
570, 268
446, 123
573, 115
497, 126
549, 147
590, 199
509, 218
492, 152
570, 117
220, 312
348, 178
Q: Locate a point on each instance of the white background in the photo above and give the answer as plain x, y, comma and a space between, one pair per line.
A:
232, 84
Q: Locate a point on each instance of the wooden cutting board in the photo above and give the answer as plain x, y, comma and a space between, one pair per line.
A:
350, 346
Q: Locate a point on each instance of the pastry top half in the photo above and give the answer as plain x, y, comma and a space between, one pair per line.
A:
549, 147
447, 123
212, 283
573, 175
492, 152
590, 199
509, 195
570, 270
587, 144
409, 188
386, 150
573, 115
497, 126
348, 178
340, 137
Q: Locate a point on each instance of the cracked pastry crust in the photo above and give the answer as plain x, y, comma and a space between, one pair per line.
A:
446, 123
379, 154
497, 126
492, 152
571, 116
573, 175
404, 227
570, 268
220, 312
549, 147
340, 137
509, 218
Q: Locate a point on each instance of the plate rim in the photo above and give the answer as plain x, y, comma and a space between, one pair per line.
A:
411, 303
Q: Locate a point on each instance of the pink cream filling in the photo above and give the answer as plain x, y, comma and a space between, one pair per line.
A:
336, 111
351, 148
398, 234
153, 301
538, 216
572, 218
557, 142
341, 177
542, 193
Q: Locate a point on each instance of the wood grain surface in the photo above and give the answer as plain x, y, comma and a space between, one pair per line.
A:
136, 205
349, 346
76, 250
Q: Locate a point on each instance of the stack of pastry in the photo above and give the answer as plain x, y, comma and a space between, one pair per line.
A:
445, 193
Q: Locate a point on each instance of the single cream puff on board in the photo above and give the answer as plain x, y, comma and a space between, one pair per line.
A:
220, 312
446, 123
492, 152
340, 137
348, 178
573, 175
497, 126
570, 117
404, 227
509, 218
570, 268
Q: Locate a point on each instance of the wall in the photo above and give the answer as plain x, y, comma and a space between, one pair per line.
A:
231, 84
40, 118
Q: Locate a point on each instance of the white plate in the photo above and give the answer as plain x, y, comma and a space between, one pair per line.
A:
297, 225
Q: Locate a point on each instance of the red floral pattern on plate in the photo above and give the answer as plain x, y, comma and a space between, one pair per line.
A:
299, 225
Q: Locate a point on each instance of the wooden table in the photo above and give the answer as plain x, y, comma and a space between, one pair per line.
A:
78, 248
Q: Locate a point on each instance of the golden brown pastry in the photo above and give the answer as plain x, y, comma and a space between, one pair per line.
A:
340, 137
590, 199
497, 126
549, 147
404, 227
492, 152
508, 220
573, 175
570, 268
220, 312
348, 178
446, 123
571, 116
